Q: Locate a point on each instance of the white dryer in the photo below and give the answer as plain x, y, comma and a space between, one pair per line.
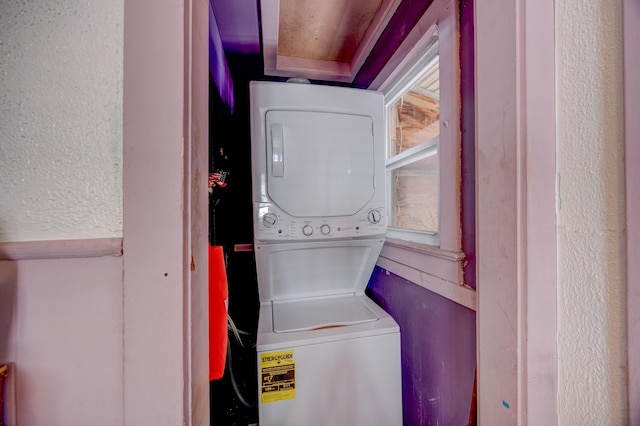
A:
327, 354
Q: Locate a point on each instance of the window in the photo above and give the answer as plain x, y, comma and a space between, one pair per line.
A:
421, 87
413, 139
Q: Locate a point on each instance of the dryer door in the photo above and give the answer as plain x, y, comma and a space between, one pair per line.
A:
319, 163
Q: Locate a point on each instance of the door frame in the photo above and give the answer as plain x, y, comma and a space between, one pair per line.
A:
165, 212
515, 207
631, 35
166, 86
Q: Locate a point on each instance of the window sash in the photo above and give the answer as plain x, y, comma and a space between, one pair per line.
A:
411, 155
424, 63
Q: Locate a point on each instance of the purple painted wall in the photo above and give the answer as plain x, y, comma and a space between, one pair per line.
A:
438, 344
238, 25
218, 68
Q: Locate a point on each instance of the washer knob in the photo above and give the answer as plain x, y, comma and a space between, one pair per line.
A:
374, 216
269, 220
307, 230
325, 229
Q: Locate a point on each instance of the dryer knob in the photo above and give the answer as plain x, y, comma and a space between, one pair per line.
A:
269, 220
307, 230
374, 216
325, 229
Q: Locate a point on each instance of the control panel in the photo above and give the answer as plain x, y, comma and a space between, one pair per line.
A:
270, 223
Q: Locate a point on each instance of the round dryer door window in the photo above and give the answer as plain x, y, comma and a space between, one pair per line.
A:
319, 163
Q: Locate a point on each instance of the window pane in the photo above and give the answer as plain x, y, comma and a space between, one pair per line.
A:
414, 117
414, 195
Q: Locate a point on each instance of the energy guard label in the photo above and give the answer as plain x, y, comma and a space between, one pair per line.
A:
278, 372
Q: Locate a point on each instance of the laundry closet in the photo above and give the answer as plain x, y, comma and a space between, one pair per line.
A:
318, 332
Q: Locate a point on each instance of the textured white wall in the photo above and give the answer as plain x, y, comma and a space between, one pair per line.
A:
591, 278
60, 119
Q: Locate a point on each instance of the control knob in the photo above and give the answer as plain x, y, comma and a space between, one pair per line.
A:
269, 220
325, 229
307, 230
374, 216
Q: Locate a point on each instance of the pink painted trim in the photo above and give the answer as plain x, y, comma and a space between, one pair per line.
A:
154, 267
165, 233
516, 225
450, 136
196, 223
59, 249
538, 305
631, 35
497, 213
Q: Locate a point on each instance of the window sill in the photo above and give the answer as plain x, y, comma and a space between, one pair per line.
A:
437, 270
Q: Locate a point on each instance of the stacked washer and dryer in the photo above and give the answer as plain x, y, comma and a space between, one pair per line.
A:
327, 354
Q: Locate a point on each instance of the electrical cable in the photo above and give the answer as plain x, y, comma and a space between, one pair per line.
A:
234, 383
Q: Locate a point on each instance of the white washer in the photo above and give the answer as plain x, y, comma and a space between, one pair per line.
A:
327, 354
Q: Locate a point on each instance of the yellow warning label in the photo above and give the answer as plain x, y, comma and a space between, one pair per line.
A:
278, 373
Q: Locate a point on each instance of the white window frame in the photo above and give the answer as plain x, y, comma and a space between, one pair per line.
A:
437, 264
399, 86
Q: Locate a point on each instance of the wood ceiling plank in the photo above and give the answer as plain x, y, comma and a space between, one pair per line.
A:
312, 39
330, 30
